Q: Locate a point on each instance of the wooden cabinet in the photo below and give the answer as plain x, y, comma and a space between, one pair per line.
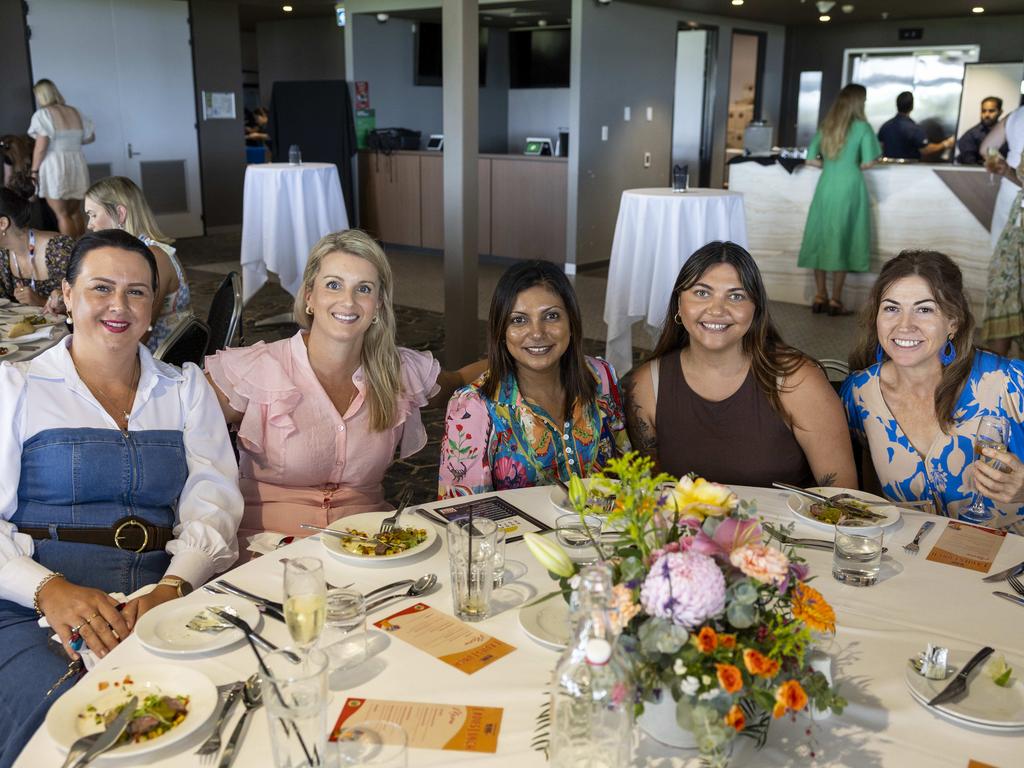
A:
432, 202
528, 200
389, 197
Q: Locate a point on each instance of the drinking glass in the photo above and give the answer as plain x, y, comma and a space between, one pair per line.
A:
471, 559
345, 636
857, 557
377, 743
499, 556
993, 432
305, 595
571, 532
295, 695
294, 155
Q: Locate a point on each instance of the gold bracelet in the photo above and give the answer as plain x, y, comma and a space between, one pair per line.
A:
46, 580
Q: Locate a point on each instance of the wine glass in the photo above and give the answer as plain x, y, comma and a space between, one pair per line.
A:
305, 600
993, 432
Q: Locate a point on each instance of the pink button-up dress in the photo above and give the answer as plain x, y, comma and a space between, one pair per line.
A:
300, 460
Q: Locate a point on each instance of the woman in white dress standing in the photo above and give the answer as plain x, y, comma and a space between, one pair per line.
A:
58, 165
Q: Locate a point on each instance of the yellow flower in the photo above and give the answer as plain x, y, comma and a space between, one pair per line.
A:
550, 555
701, 499
812, 609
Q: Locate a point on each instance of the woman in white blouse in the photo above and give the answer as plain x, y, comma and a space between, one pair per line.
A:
115, 472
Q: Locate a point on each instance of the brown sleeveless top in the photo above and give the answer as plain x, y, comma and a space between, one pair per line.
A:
738, 441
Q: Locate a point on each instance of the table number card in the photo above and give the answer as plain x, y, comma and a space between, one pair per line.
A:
429, 726
446, 638
967, 546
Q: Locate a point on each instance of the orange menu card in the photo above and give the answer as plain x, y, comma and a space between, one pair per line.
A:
446, 638
429, 726
967, 546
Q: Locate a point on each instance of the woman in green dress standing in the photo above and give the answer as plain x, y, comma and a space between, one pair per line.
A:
837, 238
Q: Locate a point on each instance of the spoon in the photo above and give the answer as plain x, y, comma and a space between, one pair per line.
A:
422, 585
252, 696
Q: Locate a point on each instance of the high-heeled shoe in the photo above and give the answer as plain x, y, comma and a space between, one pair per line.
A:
820, 304
836, 309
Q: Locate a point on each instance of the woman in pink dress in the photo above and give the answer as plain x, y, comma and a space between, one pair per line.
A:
320, 415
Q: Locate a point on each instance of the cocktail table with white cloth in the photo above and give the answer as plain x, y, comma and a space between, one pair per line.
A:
915, 602
28, 346
285, 210
656, 232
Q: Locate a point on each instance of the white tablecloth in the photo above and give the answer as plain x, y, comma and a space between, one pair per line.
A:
879, 627
285, 210
656, 232
33, 346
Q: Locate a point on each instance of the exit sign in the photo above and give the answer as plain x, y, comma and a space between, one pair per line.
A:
911, 33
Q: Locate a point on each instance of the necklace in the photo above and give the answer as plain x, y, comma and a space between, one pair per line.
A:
110, 404
20, 274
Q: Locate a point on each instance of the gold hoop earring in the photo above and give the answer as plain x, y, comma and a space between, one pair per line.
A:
677, 319
375, 319
309, 310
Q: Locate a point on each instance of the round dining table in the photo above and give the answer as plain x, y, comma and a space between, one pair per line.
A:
915, 602
285, 210
656, 232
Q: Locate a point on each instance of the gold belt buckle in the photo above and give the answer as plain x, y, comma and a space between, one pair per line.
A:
120, 529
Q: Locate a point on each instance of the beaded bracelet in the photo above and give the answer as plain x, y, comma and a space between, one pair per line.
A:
39, 588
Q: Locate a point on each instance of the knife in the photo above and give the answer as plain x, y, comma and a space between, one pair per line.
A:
1003, 575
1011, 598
341, 534
243, 625
109, 737
227, 586
958, 686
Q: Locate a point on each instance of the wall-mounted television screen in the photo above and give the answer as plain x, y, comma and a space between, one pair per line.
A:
428, 55
539, 58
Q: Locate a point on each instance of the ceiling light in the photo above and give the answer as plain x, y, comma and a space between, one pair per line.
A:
382, 18
824, 6
847, 8
824, 17
286, 8
977, 9
737, 2
542, 23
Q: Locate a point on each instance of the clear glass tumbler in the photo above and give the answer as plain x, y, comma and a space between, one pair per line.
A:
857, 557
344, 639
471, 559
295, 696
377, 743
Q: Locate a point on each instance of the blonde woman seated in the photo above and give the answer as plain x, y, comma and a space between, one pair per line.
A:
116, 203
320, 415
723, 396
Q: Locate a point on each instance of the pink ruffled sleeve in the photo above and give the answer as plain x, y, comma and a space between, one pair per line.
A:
465, 464
256, 384
419, 383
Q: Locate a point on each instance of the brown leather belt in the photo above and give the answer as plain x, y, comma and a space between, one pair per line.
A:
132, 534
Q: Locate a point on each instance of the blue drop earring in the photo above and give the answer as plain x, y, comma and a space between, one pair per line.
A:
879, 353
948, 352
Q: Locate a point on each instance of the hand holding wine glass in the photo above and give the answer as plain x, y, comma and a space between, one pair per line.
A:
305, 600
991, 459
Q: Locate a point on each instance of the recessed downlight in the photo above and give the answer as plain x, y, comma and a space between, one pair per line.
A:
286, 8
977, 9
737, 2
824, 17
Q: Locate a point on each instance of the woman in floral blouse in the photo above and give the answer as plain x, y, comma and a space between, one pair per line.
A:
543, 411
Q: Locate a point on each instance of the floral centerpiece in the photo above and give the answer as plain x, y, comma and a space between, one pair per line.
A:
710, 615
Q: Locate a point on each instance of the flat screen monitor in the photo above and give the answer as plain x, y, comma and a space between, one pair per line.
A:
539, 58
428, 54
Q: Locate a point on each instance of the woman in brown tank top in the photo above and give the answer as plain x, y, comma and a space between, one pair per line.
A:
724, 397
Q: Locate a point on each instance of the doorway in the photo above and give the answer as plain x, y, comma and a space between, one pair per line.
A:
696, 50
746, 71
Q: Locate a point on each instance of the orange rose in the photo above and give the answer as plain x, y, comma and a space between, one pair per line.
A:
735, 718
790, 695
727, 641
729, 677
759, 664
707, 640
778, 710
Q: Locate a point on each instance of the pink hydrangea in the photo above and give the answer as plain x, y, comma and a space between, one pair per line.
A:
767, 565
685, 587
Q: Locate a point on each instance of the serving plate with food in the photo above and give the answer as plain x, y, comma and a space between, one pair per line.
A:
600, 493
365, 545
857, 507
7, 349
173, 702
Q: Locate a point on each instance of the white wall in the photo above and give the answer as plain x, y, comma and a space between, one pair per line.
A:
537, 112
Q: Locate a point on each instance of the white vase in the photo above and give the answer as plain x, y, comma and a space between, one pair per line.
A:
659, 721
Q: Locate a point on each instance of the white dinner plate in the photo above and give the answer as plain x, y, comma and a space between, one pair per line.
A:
986, 704
369, 522
560, 499
22, 309
547, 623
7, 349
801, 507
164, 629
65, 726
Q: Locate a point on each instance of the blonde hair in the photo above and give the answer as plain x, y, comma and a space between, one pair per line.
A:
848, 106
379, 356
138, 217
46, 93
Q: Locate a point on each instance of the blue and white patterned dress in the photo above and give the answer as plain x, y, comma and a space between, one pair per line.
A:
994, 387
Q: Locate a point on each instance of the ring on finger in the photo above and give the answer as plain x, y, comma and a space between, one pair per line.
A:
89, 620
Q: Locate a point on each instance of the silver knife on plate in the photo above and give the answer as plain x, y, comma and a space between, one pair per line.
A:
1011, 598
109, 737
1013, 570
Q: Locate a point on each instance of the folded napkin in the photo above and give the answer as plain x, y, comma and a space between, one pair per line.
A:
45, 332
264, 543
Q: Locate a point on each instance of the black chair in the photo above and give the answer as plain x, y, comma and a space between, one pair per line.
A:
186, 344
836, 371
225, 313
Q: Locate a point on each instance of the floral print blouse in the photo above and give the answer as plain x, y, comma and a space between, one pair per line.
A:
56, 256
511, 442
995, 387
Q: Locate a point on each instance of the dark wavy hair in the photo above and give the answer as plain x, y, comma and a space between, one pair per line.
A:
577, 379
947, 286
108, 238
771, 359
15, 207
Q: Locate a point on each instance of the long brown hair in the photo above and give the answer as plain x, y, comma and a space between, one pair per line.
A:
848, 106
577, 380
947, 286
771, 359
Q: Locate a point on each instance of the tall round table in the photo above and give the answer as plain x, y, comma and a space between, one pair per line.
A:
656, 232
285, 210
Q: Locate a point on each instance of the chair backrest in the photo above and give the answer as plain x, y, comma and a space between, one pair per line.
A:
836, 370
186, 344
225, 313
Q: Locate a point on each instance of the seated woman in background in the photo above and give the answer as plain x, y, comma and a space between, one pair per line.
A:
723, 396
116, 472
116, 203
920, 388
32, 263
320, 415
543, 411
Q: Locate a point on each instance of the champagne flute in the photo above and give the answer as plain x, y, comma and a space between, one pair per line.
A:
993, 432
305, 600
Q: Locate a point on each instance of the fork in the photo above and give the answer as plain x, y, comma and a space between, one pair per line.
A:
208, 749
326, 583
387, 525
915, 546
1016, 583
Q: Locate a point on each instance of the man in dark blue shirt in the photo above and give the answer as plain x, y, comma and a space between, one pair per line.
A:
970, 143
901, 137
